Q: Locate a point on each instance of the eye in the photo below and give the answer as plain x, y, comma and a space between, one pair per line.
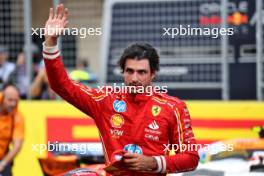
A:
141, 72
129, 71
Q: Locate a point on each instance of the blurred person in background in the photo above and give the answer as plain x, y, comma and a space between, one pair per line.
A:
6, 68
19, 76
11, 128
134, 126
40, 88
82, 73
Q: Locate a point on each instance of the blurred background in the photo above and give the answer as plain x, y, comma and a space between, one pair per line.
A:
221, 78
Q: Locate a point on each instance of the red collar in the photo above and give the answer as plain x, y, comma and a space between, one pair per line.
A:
138, 97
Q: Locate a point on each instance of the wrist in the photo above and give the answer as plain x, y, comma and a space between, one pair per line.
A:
51, 41
153, 164
161, 164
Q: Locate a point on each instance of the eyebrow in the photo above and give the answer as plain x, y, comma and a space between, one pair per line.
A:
135, 70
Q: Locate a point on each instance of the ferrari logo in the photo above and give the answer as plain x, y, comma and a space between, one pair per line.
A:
155, 110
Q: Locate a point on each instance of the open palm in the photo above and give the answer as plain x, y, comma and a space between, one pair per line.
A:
57, 21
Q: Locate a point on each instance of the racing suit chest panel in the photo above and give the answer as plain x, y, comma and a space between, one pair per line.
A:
154, 128
143, 123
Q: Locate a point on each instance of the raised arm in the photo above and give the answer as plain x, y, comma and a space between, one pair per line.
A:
84, 98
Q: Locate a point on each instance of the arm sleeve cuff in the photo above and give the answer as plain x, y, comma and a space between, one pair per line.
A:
161, 164
50, 52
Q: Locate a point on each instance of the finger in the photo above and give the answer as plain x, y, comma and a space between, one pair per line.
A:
65, 15
56, 12
133, 168
130, 155
65, 24
61, 11
130, 161
51, 13
134, 165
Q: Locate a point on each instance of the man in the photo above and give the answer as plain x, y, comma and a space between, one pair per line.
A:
11, 128
19, 76
40, 88
133, 121
6, 68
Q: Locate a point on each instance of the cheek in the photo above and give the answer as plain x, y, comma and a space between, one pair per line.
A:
5, 104
146, 78
127, 77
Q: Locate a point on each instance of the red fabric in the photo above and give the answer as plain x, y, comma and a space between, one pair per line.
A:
133, 126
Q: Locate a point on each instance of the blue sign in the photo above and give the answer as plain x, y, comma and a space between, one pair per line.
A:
133, 148
119, 106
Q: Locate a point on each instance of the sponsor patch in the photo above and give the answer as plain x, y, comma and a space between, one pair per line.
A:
133, 148
116, 133
152, 137
154, 125
117, 121
186, 112
147, 130
155, 110
119, 106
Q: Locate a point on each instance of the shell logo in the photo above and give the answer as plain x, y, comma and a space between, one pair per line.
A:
117, 121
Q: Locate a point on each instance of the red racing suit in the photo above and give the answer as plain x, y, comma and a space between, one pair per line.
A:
156, 123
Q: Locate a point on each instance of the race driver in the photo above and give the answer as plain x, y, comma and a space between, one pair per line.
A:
136, 122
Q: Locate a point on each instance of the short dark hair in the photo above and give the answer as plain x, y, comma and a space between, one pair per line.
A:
10, 84
140, 51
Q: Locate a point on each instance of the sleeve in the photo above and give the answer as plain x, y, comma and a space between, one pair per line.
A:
84, 98
182, 143
19, 127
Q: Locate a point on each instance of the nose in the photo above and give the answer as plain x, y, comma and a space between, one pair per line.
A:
135, 77
13, 104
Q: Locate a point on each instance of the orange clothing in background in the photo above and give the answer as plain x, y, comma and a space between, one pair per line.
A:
11, 127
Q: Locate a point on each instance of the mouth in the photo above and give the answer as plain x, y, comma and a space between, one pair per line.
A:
136, 85
10, 109
136, 88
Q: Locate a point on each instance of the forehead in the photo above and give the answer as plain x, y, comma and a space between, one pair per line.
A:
11, 92
142, 64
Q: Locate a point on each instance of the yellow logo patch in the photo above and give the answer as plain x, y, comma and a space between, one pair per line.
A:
117, 121
155, 110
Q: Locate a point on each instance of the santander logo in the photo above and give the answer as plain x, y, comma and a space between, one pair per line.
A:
154, 125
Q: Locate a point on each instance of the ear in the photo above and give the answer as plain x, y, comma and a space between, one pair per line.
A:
153, 75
